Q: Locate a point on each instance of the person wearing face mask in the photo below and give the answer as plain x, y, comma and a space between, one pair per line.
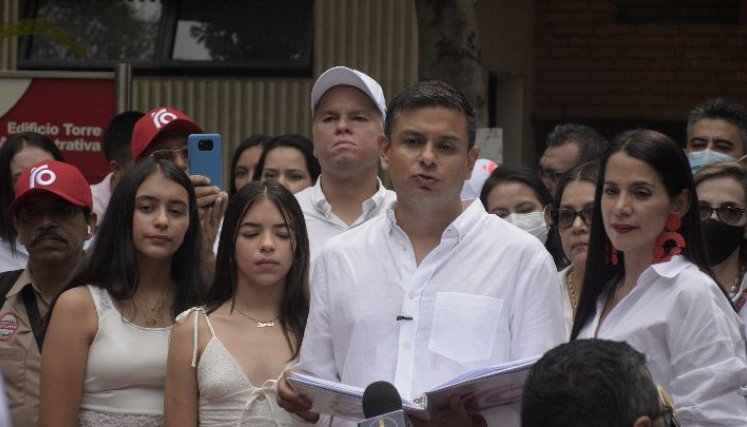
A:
722, 192
518, 196
716, 132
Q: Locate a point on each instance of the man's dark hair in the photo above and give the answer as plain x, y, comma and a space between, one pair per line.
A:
118, 137
432, 93
720, 108
589, 383
591, 144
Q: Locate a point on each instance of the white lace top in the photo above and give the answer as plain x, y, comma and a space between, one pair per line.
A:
227, 397
126, 370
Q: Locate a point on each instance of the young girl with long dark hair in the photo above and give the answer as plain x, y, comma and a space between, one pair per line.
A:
104, 356
225, 358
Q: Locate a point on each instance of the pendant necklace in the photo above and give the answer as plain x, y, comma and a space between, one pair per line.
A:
151, 312
260, 323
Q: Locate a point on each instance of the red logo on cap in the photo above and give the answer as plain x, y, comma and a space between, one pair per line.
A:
162, 117
41, 175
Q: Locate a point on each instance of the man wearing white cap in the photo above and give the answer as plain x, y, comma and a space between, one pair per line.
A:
348, 110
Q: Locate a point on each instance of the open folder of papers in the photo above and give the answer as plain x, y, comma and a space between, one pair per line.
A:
480, 389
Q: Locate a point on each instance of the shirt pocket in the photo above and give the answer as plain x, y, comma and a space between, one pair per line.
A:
464, 326
13, 362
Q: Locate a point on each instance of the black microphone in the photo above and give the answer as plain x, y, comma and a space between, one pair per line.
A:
382, 406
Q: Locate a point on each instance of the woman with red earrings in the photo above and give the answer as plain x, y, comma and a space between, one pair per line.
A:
647, 281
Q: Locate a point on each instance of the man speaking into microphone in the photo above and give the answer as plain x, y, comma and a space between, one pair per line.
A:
436, 286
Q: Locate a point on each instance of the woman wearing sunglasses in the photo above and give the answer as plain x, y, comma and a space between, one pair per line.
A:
722, 192
573, 208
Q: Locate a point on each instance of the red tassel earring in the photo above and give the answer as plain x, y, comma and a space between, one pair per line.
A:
610, 256
670, 234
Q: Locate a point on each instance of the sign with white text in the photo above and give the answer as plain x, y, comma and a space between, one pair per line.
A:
71, 109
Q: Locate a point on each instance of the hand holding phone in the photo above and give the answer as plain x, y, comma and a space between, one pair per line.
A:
206, 156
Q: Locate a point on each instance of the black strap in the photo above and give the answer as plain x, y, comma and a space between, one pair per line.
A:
32, 310
7, 280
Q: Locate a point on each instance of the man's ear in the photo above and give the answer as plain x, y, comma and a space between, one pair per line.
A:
643, 421
384, 147
472, 155
91, 227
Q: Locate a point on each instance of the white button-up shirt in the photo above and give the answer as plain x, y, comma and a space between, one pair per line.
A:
488, 293
102, 193
322, 224
692, 338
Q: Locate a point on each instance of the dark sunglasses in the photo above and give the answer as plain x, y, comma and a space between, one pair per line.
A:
728, 214
565, 218
170, 154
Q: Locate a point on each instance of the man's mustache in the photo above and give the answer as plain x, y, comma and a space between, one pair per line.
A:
47, 234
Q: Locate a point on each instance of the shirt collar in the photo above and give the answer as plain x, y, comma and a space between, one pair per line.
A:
319, 200
670, 268
472, 212
23, 280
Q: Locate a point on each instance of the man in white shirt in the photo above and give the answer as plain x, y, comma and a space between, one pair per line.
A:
435, 287
348, 109
117, 150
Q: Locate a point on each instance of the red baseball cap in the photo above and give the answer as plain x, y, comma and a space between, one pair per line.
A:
155, 122
51, 176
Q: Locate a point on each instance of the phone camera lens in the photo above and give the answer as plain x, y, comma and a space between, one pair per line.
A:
205, 145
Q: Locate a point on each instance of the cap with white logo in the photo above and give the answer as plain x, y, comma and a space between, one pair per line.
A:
156, 121
344, 76
51, 176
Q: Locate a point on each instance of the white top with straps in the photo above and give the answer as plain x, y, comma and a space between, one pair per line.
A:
227, 397
126, 370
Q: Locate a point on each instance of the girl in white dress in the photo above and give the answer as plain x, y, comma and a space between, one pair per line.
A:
104, 356
225, 359
647, 281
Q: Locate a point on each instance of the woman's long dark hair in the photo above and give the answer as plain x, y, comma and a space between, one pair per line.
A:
294, 308
670, 163
112, 264
8, 150
525, 176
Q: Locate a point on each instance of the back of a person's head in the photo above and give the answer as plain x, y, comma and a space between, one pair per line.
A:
589, 383
118, 137
591, 144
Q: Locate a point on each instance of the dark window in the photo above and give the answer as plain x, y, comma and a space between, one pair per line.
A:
186, 36
677, 11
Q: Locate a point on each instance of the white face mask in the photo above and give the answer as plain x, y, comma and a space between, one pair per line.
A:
532, 222
700, 158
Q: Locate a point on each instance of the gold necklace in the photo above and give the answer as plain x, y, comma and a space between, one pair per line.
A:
571, 289
260, 323
151, 313
737, 281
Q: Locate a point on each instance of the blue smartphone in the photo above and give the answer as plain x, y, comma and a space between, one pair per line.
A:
206, 156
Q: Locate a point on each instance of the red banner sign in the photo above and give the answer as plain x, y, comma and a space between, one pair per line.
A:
72, 112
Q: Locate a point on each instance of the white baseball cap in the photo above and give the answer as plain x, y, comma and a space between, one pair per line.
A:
344, 76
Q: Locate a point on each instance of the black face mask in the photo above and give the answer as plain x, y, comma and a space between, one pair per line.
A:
722, 239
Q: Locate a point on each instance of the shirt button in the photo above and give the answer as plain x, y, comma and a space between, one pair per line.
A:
406, 345
411, 295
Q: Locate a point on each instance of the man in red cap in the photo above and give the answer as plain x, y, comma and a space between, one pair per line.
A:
162, 133
53, 213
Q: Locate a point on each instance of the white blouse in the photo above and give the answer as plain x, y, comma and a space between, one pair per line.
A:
692, 338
